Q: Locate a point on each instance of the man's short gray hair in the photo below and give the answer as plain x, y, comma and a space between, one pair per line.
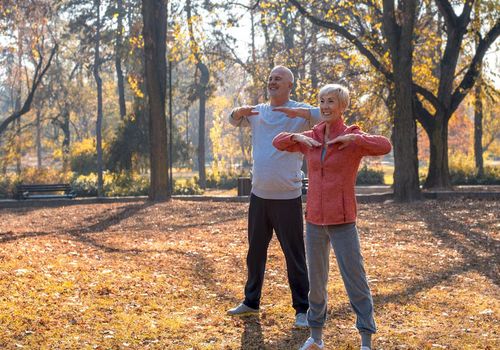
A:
287, 70
340, 91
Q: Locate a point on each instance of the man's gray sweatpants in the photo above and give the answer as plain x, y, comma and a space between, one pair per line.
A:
345, 242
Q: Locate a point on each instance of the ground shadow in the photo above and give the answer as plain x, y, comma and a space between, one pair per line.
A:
103, 222
205, 272
80, 232
11, 236
220, 220
252, 338
479, 253
293, 340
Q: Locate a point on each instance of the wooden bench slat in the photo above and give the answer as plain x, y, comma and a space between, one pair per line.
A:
43, 186
48, 196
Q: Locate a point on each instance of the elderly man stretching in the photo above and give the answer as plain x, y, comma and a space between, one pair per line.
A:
275, 202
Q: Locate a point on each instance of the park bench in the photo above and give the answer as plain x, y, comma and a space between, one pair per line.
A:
44, 191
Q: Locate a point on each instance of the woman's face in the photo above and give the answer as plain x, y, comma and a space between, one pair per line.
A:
330, 107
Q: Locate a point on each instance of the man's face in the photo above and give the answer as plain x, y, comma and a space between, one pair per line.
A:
279, 83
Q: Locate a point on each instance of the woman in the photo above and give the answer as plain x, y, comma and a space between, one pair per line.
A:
333, 152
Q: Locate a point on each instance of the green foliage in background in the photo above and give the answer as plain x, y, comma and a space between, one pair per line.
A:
187, 187
7, 186
31, 175
126, 184
463, 172
367, 176
84, 156
461, 176
115, 184
223, 180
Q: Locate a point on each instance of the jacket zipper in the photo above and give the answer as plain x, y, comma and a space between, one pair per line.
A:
321, 191
343, 203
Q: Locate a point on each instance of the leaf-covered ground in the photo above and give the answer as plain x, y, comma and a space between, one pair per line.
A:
161, 276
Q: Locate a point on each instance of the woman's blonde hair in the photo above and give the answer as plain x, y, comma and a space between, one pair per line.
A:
341, 93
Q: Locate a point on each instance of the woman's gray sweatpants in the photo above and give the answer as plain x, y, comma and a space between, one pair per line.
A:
345, 242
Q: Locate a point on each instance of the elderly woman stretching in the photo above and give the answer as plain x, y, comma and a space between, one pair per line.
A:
333, 152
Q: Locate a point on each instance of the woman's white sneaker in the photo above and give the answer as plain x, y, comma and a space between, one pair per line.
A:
310, 344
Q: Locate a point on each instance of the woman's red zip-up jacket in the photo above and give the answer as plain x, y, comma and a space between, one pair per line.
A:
330, 197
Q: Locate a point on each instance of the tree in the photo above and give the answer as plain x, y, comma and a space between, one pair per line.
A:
486, 121
202, 95
434, 105
98, 80
60, 94
478, 127
398, 25
40, 70
119, 48
450, 94
154, 31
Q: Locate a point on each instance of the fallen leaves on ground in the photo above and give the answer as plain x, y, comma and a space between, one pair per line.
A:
161, 276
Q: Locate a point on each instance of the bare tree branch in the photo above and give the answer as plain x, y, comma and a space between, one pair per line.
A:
37, 78
471, 76
347, 35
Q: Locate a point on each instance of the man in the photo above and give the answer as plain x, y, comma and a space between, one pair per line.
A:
275, 201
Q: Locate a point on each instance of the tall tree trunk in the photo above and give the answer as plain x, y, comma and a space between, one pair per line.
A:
399, 36
269, 43
187, 125
154, 15
288, 28
478, 105
18, 146
255, 78
201, 126
456, 28
406, 184
98, 80
313, 70
302, 53
66, 141
478, 128
18, 99
118, 59
241, 140
39, 138
439, 173
201, 88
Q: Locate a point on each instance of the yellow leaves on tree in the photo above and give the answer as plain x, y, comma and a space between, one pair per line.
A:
134, 82
225, 145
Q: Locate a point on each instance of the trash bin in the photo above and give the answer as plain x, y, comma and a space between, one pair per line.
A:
244, 186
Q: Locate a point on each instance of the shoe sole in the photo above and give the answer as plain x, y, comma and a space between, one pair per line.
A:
300, 326
248, 313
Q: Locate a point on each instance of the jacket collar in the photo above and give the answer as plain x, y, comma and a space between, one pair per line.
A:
335, 128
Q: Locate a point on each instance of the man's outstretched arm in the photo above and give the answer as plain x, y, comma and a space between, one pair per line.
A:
239, 116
